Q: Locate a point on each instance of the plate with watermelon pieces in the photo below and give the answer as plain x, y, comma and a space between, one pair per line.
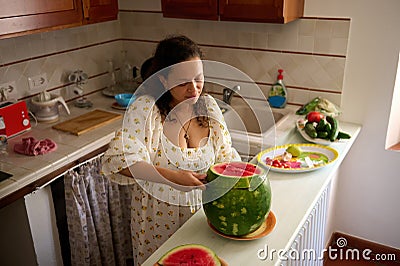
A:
191, 254
297, 158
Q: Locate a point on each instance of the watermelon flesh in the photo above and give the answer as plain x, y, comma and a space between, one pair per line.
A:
229, 204
237, 169
190, 255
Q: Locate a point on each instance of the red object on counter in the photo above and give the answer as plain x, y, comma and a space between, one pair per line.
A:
15, 116
3, 136
33, 147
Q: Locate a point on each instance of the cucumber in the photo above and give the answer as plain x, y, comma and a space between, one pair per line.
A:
343, 135
328, 128
310, 130
334, 128
321, 125
322, 134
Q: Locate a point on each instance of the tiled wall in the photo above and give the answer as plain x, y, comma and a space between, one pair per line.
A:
57, 53
312, 51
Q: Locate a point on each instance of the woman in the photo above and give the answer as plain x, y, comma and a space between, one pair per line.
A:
171, 135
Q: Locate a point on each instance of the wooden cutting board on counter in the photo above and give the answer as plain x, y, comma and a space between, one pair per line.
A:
87, 122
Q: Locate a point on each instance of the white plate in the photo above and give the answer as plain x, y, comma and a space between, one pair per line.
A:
277, 151
303, 133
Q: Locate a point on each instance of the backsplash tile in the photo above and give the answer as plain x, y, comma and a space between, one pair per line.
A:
58, 53
312, 51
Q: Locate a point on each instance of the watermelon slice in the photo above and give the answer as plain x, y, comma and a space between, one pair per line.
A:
190, 255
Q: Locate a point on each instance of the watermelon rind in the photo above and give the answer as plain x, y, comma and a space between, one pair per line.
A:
188, 254
240, 210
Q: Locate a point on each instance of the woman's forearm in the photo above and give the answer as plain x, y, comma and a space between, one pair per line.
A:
146, 171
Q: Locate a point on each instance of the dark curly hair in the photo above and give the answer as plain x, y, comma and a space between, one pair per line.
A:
173, 50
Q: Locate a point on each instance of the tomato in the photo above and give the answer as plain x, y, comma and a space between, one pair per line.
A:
277, 163
314, 116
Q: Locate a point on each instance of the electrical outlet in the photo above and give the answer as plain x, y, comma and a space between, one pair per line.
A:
38, 83
9, 90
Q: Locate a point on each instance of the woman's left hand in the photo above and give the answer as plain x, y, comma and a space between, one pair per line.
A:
187, 178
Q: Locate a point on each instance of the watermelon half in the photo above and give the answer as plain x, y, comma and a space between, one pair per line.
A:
190, 255
240, 210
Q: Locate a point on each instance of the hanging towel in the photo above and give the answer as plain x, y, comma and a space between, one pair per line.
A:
33, 147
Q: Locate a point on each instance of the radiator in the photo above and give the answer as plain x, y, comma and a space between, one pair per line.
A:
309, 244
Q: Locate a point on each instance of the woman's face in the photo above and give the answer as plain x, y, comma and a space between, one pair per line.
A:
185, 81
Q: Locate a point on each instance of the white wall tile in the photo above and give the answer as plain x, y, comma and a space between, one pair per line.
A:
8, 51
307, 27
323, 29
301, 70
340, 29
305, 44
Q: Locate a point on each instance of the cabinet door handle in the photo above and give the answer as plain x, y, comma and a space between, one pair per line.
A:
86, 7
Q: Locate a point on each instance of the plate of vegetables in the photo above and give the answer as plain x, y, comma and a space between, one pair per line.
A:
297, 158
320, 129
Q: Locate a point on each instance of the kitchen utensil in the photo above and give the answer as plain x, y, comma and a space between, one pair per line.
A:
47, 110
79, 78
87, 122
44, 96
125, 99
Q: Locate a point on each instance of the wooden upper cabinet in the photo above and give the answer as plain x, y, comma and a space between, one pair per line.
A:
99, 10
271, 11
21, 16
192, 9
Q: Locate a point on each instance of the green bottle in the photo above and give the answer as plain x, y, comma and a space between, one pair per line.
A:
278, 94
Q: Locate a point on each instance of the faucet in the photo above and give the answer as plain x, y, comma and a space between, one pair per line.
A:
228, 93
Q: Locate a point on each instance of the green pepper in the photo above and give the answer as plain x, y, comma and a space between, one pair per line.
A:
308, 107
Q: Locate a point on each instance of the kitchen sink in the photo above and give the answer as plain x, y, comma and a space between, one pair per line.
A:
252, 126
254, 120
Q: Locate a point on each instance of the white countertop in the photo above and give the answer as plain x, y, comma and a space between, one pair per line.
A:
27, 169
293, 196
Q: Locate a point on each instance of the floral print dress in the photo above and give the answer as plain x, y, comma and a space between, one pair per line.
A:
158, 210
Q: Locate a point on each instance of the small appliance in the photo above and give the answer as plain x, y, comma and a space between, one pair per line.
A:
15, 116
45, 107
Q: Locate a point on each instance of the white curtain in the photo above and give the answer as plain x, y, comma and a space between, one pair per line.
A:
98, 217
